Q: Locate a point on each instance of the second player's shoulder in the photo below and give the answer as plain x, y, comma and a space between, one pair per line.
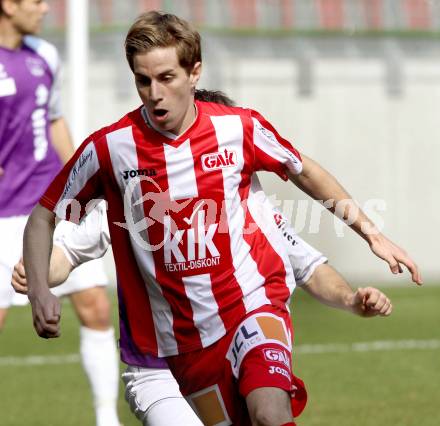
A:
47, 51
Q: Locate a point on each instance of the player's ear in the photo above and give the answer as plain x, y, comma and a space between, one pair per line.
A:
195, 74
9, 7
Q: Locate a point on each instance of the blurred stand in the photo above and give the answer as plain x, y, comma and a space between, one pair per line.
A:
77, 38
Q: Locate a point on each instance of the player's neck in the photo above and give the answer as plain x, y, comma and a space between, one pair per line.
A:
188, 120
10, 38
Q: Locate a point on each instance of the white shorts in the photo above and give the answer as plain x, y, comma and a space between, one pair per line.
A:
86, 276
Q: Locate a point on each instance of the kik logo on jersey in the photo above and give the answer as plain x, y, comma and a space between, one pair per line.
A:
180, 252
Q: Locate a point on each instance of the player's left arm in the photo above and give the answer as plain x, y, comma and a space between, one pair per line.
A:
61, 139
330, 288
317, 182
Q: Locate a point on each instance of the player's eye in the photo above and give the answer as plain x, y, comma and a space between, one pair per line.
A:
142, 80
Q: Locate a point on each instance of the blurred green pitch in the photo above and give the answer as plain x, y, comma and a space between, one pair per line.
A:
347, 388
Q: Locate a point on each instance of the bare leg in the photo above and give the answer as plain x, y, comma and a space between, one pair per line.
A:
269, 407
3, 314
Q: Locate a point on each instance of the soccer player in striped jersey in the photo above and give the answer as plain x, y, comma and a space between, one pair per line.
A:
202, 279
151, 390
34, 142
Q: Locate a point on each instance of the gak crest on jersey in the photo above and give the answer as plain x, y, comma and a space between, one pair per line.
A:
219, 160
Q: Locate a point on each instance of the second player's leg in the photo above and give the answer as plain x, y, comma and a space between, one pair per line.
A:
6, 293
3, 314
98, 351
93, 308
11, 231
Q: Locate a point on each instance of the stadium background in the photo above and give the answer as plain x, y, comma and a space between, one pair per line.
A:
356, 85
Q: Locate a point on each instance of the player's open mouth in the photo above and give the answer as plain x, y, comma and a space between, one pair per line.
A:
160, 114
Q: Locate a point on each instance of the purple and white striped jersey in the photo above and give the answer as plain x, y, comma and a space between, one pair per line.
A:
29, 101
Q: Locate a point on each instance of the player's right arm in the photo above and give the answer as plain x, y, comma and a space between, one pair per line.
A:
37, 246
68, 196
73, 245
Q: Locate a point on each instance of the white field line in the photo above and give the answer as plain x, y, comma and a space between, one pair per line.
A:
39, 360
374, 346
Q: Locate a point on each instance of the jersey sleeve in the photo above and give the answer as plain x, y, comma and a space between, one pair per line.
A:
55, 110
78, 187
49, 54
303, 258
87, 241
273, 153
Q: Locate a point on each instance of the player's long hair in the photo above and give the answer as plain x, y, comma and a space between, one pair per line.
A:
157, 29
215, 96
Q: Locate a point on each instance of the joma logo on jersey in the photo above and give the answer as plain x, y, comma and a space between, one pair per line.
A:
276, 355
175, 259
139, 172
219, 160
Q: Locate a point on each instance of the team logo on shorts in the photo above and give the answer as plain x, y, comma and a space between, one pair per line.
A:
219, 160
276, 355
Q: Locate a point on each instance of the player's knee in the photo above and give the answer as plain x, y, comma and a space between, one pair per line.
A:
266, 416
94, 310
99, 315
269, 407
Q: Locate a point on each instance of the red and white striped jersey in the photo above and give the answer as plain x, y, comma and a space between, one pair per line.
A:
191, 250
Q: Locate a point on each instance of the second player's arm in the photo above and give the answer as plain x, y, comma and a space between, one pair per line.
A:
321, 185
59, 271
60, 267
61, 139
330, 288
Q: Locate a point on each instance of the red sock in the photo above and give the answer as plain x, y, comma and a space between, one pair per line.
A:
289, 424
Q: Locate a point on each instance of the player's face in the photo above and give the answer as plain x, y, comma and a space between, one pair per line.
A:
27, 16
166, 89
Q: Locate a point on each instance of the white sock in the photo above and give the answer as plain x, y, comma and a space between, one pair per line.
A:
101, 364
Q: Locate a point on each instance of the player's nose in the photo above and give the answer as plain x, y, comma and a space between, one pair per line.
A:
155, 91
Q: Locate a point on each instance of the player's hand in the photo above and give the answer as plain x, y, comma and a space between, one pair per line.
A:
1, 171
395, 257
18, 280
370, 302
46, 313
